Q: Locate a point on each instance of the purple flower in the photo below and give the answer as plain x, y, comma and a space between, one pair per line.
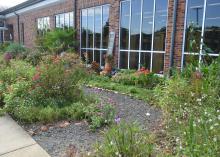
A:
117, 120
7, 57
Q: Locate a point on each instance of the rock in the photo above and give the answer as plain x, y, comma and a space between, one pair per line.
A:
72, 151
44, 128
64, 124
31, 132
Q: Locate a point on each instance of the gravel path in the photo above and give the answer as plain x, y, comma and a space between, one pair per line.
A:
56, 140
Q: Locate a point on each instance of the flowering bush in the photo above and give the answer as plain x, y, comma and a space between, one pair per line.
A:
192, 112
126, 140
142, 78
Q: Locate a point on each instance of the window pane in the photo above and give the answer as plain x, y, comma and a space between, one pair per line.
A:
158, 63
145, 60
125, 18
105, 23
83, 28
103, 54
134, 60
90, 57
160, 25
71, 19
212, 26
191, 59
90, 27
135, 24
67, 20
57, 20
97, 56
194, 21
98, 29
124, 60
62, 20
147, 24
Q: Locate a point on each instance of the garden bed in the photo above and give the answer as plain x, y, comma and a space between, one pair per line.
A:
56, 140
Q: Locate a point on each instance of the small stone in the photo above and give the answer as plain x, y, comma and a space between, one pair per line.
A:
44, 128
72, 151
148, 114
31, 132
64, 124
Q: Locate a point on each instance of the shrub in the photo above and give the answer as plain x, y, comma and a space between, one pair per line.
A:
140, 79
16, 49
126, 140
57, 41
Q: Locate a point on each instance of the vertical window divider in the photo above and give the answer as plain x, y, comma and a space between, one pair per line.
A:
119, 40
129, 38
140, 44
80, 43
184, 35
93, 35
152, 44
202, 34
101, 40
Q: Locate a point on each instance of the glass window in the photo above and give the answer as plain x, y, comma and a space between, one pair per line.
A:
134, 60
64, 20
95, 32
83, 28
212, 27
67, 20
71, 19
194, 22
147, 25
158, 63
105, 26
125, 20
148, 17
160, 25
124, 60
135, 24
90, 27
98, 27
43, 25
194, 31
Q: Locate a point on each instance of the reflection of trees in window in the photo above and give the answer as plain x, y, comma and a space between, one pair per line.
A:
64, 20
147, 21
125, 19
43, 25
194, 31
95, 32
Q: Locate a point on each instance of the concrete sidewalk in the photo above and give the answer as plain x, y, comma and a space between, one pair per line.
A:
15, 142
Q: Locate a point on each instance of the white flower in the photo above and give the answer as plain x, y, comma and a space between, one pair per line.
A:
216, 124
211, 128
210, 120
218, 117
214, 139
199, 100
148, 114
218, 111
111, 143
89, 153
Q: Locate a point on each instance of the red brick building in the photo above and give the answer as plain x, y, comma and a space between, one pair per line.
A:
155, 34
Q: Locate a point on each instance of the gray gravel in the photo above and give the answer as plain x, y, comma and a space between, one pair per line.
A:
56, 140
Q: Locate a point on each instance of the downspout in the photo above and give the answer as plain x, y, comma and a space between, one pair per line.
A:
173, 36
18, 23
75, 13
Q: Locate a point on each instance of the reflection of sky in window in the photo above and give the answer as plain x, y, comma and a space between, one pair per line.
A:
98, 20
125, 15
105, 15
213, 13
136, 16
90, 19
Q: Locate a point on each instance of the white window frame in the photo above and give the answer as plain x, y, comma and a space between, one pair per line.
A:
152, 51
102, 50
200, 53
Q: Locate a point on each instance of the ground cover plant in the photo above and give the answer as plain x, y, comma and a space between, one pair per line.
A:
191, 106
49, 92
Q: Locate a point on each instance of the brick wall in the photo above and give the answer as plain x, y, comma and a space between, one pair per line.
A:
29, 19
178, 34
113, 21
